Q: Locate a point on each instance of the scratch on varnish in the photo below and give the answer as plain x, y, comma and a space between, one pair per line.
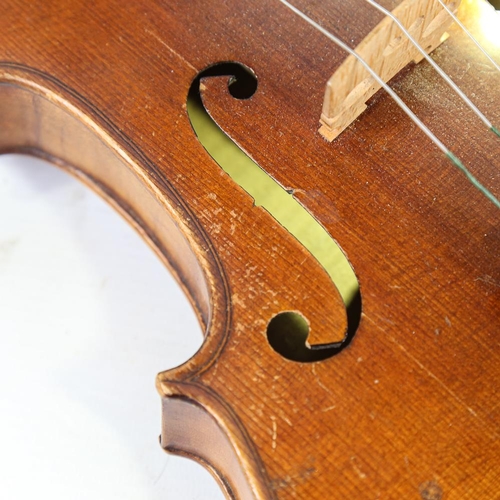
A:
488, 279
434, 377
358, 471
430, 490
324, 410
275, 432
239, 302
175, 53
318, 380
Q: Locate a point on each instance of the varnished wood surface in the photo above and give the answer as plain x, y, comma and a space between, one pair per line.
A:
386, 50
409, 407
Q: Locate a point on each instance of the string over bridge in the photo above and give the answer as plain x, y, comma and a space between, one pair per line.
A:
387, 51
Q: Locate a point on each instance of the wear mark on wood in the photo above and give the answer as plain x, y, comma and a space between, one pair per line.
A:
430, 490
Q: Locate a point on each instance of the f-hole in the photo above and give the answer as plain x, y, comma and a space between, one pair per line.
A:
287, 331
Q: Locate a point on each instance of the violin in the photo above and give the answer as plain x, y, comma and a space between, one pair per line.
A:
304, 387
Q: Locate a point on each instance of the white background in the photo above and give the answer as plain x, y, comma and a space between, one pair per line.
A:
88, 316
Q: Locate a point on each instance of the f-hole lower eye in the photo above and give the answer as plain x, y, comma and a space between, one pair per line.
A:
287, 334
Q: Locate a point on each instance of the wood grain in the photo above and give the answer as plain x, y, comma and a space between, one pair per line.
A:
386, 50
408, 410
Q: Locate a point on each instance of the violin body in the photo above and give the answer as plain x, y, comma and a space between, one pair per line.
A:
408, 408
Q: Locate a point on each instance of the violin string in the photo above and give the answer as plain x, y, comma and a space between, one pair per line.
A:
469, 34
455, 160
436, 67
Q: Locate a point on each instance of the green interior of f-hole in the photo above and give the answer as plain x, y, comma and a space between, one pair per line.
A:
287, 332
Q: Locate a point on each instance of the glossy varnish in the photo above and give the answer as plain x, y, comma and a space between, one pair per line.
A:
409, 409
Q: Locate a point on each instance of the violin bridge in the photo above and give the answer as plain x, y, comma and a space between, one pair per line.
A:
387, 51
